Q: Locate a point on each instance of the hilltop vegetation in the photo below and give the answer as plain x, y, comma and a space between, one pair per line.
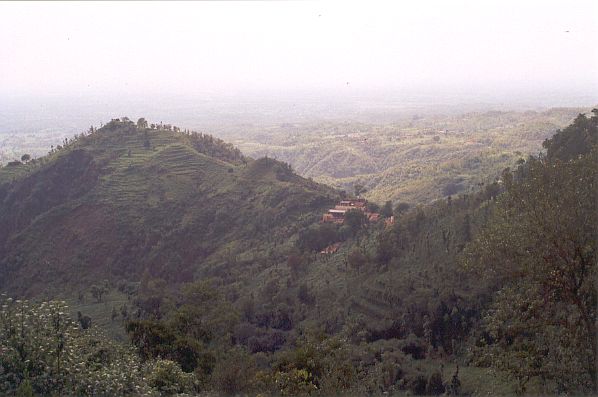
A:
124, 200
416, 160
213, 260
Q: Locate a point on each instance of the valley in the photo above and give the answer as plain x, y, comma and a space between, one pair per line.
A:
298, 198
415, 159
213, 263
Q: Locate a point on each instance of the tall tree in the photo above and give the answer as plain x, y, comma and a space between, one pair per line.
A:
540, 247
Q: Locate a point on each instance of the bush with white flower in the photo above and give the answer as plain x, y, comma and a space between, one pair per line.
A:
42, 349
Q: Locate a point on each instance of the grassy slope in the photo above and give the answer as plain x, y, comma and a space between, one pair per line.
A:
108, 207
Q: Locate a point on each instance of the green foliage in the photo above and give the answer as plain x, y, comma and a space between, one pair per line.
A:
401, 208
98, 291
190, 334
295, 382
25, 389
136, 210
168, 379
142, 123
359, 189
453, 388
540, 248
355, 220
435, 387
235, 373
356, 259
317, 237
577, 139
381, 315
42, 351
386, 210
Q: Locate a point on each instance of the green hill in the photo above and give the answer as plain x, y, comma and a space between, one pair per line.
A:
415, 160
212, 260
124, 200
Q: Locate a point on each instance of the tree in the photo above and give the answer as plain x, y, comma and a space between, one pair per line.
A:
295, 263
304, 295
234, 374
435, 386
539, 248
146, 141
153, 297
355, 219
142, 123
466, 228
318, 237
84, 321
98, 291
25, 158
356, 259
359, 189
577, 139
45, 353
402, 208
454, 387
386, 210
373, 207
385, 248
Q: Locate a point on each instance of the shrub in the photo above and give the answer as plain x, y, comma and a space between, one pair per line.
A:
43, 350
234, 373
435, 386
295, 382
168, 378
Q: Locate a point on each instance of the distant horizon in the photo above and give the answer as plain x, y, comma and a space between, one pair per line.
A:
71, 49
286, 106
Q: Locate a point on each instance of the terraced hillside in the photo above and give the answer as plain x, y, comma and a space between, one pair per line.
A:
124, 201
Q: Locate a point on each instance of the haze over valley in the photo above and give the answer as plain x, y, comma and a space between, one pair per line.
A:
298, 198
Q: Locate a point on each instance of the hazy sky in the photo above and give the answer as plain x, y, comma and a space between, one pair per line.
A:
189, 47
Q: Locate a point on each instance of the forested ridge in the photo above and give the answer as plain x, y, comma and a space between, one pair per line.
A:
197, 270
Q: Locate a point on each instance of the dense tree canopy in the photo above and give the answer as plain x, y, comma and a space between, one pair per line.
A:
540, 246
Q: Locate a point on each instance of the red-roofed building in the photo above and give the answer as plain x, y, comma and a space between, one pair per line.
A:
337, 214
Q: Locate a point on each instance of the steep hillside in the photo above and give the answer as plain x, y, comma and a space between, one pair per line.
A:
125, 200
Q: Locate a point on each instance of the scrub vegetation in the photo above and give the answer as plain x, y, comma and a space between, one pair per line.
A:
189, 268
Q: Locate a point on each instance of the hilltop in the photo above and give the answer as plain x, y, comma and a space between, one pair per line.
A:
128, 199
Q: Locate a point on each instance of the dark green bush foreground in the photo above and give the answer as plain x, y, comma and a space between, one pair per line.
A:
43, 352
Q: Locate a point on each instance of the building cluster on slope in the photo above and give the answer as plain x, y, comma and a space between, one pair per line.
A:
337, 214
